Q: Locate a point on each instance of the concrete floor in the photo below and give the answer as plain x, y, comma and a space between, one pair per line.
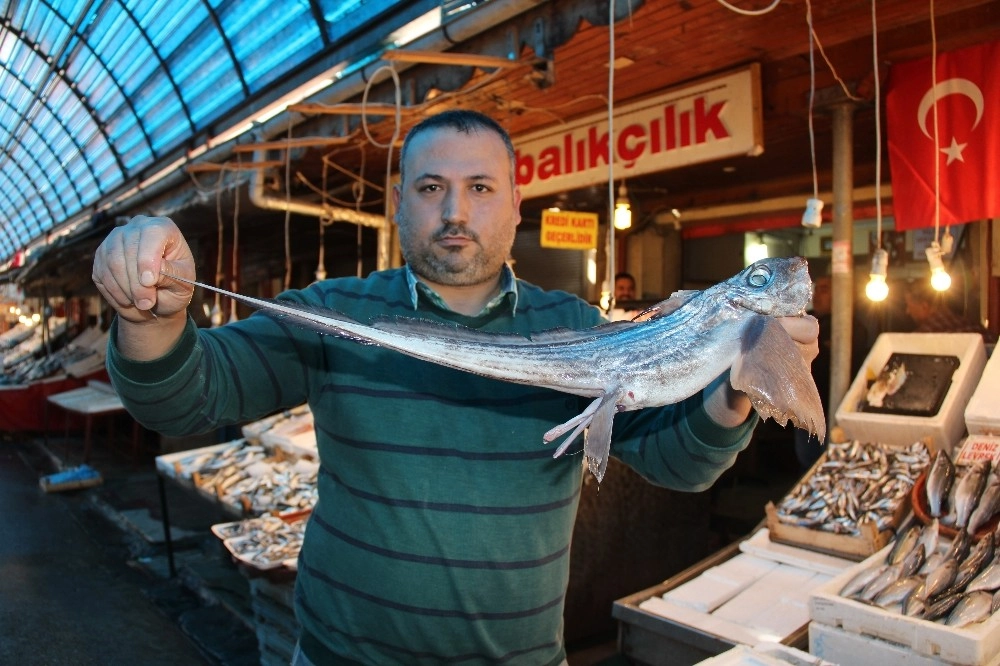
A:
86, 577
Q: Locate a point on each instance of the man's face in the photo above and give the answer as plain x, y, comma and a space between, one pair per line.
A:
624, 290
822, 294
457, 210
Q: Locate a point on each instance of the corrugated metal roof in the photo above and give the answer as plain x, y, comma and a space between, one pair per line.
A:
93, 94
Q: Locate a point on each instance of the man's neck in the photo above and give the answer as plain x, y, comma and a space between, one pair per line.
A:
467, 300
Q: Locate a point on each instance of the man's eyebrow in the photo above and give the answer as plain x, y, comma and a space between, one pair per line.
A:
474, 177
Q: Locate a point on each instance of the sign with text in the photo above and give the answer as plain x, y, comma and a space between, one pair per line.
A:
707, 120
569, 230
979, 447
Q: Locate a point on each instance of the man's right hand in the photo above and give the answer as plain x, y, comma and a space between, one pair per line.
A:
128, 271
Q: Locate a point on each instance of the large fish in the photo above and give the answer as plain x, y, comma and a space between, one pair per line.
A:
669, 353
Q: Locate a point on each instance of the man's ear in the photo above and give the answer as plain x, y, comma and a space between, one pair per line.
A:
396, 196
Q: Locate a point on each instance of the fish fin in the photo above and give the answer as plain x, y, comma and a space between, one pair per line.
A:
664, 308
597, 441
775, 377
578, 422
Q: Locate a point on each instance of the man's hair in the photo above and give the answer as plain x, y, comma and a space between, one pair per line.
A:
623, 274
460, 120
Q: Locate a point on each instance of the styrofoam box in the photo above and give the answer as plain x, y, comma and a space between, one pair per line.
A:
843, 647
982, 417
944, 428
975, 645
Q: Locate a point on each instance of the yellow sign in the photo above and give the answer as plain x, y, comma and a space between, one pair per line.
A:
569, 230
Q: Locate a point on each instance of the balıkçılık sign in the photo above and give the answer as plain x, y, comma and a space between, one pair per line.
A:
714, 118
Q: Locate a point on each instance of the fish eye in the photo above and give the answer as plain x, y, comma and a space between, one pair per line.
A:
759, 277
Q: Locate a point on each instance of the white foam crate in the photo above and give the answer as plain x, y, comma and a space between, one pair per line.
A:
848, 649
944, 428
982, 414
975, 645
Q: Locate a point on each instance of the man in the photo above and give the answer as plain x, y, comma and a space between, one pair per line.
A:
808, 448
443, 526
624, 287
931, 314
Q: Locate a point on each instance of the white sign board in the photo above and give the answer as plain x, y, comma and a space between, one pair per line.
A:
707, 120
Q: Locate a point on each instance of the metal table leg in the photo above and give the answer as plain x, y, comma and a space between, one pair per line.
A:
166, 525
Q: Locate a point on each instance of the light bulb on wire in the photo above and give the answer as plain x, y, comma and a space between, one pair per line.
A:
877, 290
940, 279
623, 209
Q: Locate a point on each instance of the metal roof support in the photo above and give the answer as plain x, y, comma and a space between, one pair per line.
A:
336, 214
842, 266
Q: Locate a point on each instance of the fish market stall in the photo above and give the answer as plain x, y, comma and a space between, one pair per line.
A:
902, 496
266, 481
26, 384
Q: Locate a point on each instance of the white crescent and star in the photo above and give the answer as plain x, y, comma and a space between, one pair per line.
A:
944, 88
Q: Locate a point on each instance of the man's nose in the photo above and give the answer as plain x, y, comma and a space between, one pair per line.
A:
456, 207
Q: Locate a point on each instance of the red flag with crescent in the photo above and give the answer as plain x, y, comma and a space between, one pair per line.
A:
967, 151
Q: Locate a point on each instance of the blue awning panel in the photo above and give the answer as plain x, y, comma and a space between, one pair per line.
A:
97, 94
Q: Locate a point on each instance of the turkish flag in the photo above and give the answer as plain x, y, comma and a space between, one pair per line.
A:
967, 150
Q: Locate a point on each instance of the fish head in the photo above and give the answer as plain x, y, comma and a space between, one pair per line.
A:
776, 286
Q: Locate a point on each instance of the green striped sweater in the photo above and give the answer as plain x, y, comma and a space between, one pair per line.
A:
443, 526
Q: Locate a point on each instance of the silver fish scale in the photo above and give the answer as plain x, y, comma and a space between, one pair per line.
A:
857, 482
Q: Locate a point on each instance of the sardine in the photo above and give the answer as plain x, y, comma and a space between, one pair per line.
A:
942, 606
970, 489
989, 504
960, 545
905, 542
667, 354
987, 579
979, 556
939, 479
971, 608
898, 592
939, 580
859, 580
878, 584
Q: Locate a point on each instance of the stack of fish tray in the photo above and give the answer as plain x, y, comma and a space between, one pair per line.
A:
749, 592
943, 423
852, 500
848, 631
981, 414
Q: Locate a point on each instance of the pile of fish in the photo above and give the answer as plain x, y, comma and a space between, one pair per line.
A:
264, 543
251, 479
925, 576
856, 482
965, 497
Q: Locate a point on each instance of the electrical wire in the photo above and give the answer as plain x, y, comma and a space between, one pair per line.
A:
749, 12
611, 155
234, 283
878, 132
395, 130
937, 161
812, 100
288, 207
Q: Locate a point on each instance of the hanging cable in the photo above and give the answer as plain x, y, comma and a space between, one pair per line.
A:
609, 284
749, 12
234, 283
877, 289
395, 129
812, 216
288, 207
215, 316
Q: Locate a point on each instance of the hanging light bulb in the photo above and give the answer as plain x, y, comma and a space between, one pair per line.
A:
940, 279
623, 209
877, 290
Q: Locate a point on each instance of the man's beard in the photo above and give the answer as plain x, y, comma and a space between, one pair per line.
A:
454, 268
